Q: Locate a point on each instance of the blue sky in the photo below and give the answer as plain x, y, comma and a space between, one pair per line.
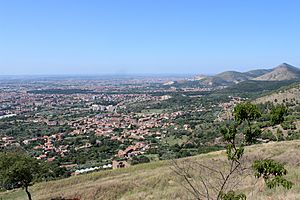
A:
146, 36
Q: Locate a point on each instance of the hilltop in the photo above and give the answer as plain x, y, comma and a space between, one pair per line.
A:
157, 181
280, 73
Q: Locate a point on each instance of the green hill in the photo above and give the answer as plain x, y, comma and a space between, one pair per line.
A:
157, 180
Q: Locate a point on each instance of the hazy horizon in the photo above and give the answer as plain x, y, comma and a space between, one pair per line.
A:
130, 74
190, 37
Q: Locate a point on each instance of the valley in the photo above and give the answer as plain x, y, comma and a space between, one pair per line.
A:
85, 127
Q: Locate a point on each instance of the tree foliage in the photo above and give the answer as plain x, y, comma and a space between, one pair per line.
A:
246, 112
233, 152
231, 195
272, 172
19, 171
277, 114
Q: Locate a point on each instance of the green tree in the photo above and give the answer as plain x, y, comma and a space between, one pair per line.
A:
277, 114
243, 113
18, 170
272, 172
246, 112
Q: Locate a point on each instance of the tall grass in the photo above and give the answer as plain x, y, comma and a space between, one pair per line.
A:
157, 181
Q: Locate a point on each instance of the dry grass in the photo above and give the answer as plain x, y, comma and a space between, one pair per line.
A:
157, 180
289, 95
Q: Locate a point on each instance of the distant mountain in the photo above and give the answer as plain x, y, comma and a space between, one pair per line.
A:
232, 77
280, 73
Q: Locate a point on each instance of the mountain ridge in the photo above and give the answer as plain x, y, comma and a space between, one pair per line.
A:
281, 72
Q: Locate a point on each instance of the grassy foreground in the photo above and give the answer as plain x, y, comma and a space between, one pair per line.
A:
157, 181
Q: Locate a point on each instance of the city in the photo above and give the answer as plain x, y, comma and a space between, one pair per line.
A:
58, 118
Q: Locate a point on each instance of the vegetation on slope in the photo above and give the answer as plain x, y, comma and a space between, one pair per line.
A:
253, 89
157, 181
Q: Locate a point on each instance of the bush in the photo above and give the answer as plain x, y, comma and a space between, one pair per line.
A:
139, 159
268, 135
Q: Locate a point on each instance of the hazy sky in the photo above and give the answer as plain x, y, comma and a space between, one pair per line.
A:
146, 36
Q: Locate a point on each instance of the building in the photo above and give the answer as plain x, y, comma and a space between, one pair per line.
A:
120, 164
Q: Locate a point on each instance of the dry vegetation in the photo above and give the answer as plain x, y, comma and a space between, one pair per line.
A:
291, 95
158, 181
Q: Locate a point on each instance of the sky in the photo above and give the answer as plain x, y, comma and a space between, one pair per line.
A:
40, 37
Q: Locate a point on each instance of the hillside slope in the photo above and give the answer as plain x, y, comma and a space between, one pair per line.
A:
257, 72
253, 89
157, 180
290, 94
